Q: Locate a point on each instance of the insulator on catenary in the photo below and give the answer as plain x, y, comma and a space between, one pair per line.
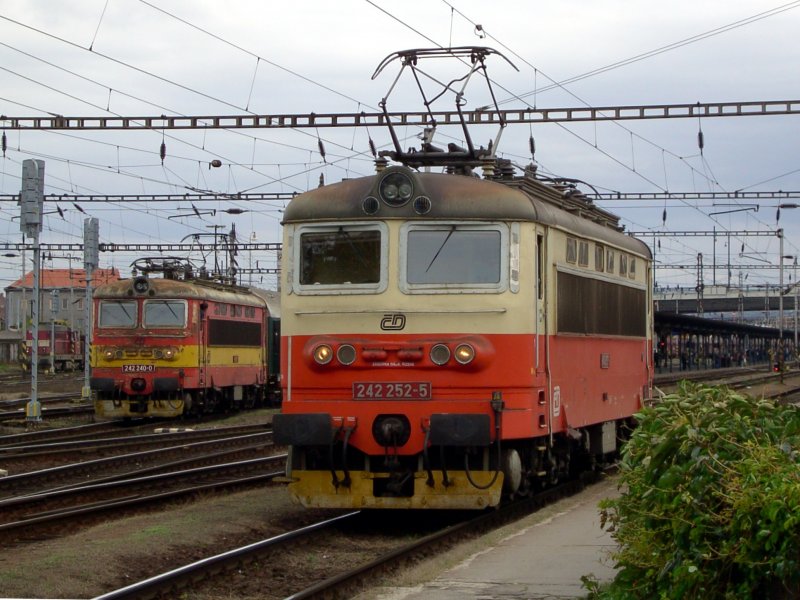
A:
163, 152
664, 216
321, 149
5, 143
532, 144
700, 142
372, 148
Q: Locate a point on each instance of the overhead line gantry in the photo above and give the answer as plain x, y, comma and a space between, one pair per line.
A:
422, 119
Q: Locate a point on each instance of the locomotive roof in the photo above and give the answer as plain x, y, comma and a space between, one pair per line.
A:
457, 197
178, 288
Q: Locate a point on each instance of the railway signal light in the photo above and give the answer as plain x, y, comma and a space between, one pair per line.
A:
31, 196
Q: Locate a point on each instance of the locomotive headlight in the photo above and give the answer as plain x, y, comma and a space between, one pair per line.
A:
464, 354
108, 354
440, 354
141, 285
346, 354
323, 354
169, 353
396, 189
390, 191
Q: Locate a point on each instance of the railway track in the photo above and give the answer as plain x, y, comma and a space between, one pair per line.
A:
329, 538
182, 450
28, 514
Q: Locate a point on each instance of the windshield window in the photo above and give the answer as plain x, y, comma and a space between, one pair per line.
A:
117, 313
164, 313
344, 256
453, 255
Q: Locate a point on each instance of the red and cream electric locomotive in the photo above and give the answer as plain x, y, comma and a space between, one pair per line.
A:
447, 339
182, 343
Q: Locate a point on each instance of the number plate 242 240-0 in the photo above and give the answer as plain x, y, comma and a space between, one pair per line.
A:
391, 390
138, 368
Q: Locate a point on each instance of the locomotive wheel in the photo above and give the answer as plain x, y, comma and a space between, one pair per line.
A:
188, 403
512, 471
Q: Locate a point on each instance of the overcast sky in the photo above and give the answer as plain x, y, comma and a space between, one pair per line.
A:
191, 57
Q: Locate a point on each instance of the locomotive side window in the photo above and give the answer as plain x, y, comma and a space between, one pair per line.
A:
599, 260
117, 313
583, 254
572, 250
610, 261
632, 268
165, 313
349, 258
455, 255
623, 264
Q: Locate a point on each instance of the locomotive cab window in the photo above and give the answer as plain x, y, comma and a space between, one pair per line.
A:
348, 258
441, 257
165, 313
117, 313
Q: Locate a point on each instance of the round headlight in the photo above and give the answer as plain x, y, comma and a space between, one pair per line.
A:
141, 285
464, 354
440, 354
169, 353
323, 354
390, 191
346, 354
396, 189
108, 354
404, 190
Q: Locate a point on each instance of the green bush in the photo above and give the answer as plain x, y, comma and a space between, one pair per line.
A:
710, 506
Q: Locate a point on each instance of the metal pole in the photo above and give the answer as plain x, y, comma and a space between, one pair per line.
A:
795, 307
33, 411
86, 392
23, 323
52, 336
780, 307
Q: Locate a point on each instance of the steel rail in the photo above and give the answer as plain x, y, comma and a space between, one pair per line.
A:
154, 586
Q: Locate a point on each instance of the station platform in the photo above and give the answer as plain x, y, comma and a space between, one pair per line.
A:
541, 557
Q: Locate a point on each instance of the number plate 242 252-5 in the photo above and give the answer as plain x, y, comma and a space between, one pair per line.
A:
391, 390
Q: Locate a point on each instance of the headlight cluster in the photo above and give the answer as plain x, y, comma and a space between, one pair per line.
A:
463, 354
345, 354
166, 353
396, 189
440, 354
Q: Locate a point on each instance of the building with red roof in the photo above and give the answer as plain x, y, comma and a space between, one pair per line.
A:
71, 287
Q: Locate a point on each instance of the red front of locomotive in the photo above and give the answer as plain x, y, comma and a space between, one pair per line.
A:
165, 347
417, 339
